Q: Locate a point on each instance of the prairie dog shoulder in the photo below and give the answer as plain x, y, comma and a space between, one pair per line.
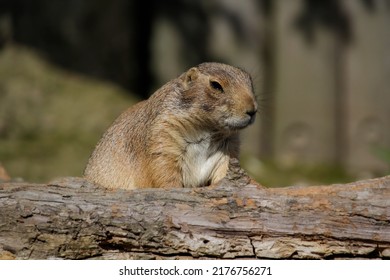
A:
182, 136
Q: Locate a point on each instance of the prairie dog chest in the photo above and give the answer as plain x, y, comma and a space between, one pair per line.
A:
204, 162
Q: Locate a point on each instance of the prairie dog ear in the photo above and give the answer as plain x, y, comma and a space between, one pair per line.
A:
191, 75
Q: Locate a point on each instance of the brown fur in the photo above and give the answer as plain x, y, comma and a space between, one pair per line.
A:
3, 174
182, 136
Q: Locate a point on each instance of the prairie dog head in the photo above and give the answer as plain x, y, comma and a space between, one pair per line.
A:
221, 94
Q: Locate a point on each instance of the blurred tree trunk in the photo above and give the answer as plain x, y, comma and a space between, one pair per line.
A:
268, 59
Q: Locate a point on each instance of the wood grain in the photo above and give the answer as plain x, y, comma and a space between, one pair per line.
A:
73, 219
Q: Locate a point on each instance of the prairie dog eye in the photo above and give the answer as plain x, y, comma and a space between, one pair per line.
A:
217, 86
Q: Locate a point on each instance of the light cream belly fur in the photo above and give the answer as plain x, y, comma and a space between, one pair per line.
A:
203, 163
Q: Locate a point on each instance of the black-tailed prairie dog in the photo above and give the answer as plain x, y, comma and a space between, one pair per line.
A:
182, 136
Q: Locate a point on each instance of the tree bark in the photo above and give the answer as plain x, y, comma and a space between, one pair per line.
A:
73, 219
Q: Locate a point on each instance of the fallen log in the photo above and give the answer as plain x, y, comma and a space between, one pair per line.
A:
73, 219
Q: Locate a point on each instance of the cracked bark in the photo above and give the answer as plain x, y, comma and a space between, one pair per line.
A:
73, 219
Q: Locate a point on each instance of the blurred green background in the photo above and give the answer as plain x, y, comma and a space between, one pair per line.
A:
50, 118
321, 72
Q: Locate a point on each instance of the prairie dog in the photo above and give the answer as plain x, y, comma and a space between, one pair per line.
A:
182, 136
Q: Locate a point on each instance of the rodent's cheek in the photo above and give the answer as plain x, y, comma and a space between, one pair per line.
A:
223, 112
206, 107
220, 115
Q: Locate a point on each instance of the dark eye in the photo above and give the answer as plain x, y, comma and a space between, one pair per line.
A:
216, 85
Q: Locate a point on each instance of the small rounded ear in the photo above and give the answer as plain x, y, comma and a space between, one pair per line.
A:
191, 75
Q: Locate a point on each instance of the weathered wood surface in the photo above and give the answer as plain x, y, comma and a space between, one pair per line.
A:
72, 219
